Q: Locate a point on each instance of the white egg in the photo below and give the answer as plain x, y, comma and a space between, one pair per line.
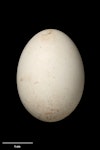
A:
50, 76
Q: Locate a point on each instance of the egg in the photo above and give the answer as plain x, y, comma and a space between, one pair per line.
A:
50, 76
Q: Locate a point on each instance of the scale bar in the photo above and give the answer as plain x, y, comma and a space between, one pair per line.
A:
17, 142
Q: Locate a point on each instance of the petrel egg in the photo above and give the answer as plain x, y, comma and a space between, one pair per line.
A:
50, 76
